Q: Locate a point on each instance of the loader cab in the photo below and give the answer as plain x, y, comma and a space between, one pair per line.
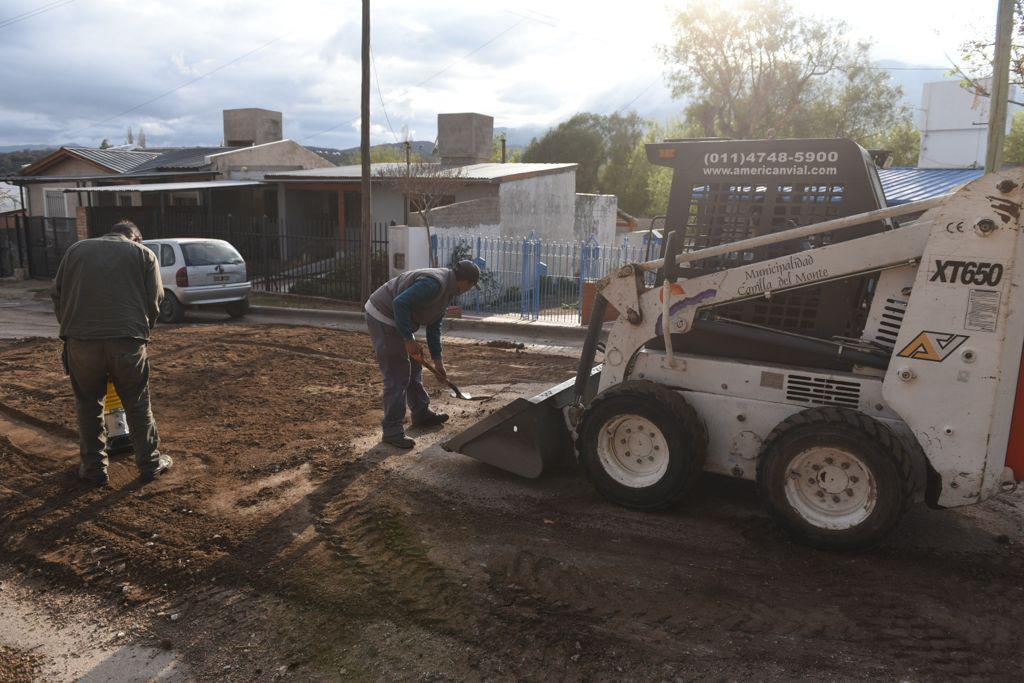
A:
729, 190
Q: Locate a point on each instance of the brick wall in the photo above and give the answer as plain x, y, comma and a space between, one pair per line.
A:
466, 214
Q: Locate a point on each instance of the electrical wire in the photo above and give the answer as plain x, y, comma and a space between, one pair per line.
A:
176, 88
428, 78
376, 78
4, 23
641, 94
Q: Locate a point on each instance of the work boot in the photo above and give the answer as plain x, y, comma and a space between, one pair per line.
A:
97, 479
162, 465
400, 441
431, 420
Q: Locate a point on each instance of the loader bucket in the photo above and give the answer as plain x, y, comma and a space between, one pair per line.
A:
528, 436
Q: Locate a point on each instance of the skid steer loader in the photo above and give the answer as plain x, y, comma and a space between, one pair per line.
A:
794, 333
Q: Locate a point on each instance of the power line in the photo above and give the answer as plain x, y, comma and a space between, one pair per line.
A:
376, 78
4, 23
428, 78
467, 55
627, 104
176, 88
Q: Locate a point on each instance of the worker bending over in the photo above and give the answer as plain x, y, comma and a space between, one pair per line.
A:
393, 315
107, 296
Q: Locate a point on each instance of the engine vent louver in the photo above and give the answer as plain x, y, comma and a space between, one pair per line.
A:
822, 391
892, 319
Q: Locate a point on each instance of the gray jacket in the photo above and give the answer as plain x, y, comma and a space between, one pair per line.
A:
107, 287
381, 302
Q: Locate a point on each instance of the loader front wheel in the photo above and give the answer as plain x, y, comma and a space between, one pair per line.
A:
642, 445
835, 478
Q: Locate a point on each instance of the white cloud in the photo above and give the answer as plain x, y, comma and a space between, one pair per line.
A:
528, 65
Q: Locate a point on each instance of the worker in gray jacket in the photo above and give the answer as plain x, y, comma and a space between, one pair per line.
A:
107, 295
393, 315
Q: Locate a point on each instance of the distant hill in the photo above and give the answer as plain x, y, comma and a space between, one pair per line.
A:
12, 161
20, 148
346, 157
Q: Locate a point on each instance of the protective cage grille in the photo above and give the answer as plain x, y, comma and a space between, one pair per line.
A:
720, 213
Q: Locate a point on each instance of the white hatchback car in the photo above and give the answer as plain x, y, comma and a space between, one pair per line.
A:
200, 272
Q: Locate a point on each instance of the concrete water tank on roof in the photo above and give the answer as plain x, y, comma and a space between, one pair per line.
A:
251, 126
464, 139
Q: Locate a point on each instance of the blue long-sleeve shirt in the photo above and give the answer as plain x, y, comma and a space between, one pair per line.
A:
421, 292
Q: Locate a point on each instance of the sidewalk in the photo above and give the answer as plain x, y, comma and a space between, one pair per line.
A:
26, 311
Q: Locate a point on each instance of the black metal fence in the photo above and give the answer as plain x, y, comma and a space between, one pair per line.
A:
313, 257
35, 244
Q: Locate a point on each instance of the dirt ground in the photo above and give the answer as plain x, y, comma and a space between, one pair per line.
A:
287, 543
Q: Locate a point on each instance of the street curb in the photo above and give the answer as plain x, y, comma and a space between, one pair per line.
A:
515, 330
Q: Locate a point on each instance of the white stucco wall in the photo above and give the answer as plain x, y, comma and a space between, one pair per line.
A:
283, 155
954, 125
545, 204
595, 215
67, 167
386, 205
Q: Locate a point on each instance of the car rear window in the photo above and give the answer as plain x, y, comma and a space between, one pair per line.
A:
209, 254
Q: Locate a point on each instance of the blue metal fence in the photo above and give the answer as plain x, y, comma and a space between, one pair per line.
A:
534, 279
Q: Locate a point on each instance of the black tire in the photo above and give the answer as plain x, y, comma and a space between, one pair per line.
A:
171, 310
849, 443
236, 309
680, 428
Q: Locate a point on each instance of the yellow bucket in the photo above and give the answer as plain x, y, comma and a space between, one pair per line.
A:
111, 401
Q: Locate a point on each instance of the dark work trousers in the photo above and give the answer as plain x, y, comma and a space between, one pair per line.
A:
126, 362
403, 378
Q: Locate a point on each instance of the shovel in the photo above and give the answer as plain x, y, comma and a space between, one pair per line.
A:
456, 392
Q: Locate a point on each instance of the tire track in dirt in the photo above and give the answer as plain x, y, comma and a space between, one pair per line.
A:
816, 612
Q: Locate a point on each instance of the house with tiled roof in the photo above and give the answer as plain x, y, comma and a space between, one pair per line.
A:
228, 176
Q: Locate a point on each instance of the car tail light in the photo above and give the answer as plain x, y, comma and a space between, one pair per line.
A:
181, 277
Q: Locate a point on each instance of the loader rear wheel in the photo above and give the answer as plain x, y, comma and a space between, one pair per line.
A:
835, 478
642, 445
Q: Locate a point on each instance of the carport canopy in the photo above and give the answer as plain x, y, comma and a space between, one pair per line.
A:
169, 187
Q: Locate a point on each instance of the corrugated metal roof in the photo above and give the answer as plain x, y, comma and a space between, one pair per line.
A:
168, 187
190, 158
904, 185
120, 160
474, 172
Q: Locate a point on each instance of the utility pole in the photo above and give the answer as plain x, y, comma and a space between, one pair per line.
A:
1000, 87
408, 172
366, 224
502, 148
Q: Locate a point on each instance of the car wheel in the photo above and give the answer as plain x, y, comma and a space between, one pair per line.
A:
236, 309
835, 479
642, 445
171, 310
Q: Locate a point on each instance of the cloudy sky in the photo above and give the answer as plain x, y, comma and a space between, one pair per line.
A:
84, 70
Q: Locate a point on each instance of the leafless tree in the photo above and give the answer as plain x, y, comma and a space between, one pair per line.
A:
425, 186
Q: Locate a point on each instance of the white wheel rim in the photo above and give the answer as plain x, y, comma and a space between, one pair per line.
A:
831, 488
633, 451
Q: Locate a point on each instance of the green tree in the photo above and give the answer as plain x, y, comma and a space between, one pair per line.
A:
659, 178
105, 144
760, 70
579, 140
625, 167
605, 147
976, 56
1013, 148
903, 141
